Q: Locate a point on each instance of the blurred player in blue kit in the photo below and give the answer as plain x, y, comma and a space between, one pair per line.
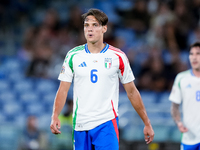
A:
95, 69
186, 90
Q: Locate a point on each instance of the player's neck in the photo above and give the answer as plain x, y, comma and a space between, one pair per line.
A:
96, 47
196, 72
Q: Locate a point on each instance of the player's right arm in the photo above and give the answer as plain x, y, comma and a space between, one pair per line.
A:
176, 99
59, 103
177, 117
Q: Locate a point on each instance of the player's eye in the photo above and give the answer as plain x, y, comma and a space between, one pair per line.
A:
95, 25
86, 25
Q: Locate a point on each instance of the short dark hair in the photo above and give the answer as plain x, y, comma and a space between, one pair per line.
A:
101, 17
196, 44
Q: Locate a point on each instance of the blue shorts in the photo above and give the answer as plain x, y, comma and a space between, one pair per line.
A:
103, 137
190, 147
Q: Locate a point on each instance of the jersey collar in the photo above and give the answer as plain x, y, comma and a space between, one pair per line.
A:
103, 51
192, 72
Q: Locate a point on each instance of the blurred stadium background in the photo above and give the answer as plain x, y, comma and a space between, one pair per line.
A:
35, 36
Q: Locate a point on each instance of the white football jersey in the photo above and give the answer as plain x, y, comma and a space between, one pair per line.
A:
96, 84
186, 90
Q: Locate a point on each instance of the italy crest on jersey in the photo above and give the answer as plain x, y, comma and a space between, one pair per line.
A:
108, 63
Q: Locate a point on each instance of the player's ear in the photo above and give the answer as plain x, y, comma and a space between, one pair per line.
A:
104, 29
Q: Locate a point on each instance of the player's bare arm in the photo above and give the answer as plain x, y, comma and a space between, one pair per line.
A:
175, 112
135, 99
59, 103
177, 117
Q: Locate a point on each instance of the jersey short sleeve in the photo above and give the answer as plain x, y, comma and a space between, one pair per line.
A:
125, 72
175, 95
66, 73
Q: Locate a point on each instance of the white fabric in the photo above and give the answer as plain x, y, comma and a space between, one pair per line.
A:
96, 83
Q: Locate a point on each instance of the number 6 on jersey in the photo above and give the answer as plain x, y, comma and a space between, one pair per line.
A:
93, 76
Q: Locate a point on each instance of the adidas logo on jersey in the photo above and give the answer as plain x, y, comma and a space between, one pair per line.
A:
83, 64
188, 86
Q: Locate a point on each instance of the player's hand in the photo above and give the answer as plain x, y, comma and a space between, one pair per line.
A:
55, 125
181, 127
148, 134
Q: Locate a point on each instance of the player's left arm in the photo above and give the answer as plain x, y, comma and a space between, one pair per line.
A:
177, 117
136, 101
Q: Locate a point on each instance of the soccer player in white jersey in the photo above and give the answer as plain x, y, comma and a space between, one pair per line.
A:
186, 90
96, 68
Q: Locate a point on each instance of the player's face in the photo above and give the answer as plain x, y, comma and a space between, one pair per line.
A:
194, 58
93, 30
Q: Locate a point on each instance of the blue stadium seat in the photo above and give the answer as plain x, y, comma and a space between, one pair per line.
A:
35, 108
44, 120
2, 118
29, 97
124, 5
48, 101
184, 57
108, 8
13, 64
123, 98
13, 108
160, 117
20, 120
162, 133
49, 97
2, 73
167, 57
23, 86
132, 133
7, 96
148, 98
14, 68
4, 85
15, 77
128, 114
156, 118
8, 105
62, 9
164, 98
8, 137
126, 34
126, 110
46, 86
164, 107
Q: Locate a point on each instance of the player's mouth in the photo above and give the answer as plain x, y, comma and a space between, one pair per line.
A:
194, 62
90, 35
